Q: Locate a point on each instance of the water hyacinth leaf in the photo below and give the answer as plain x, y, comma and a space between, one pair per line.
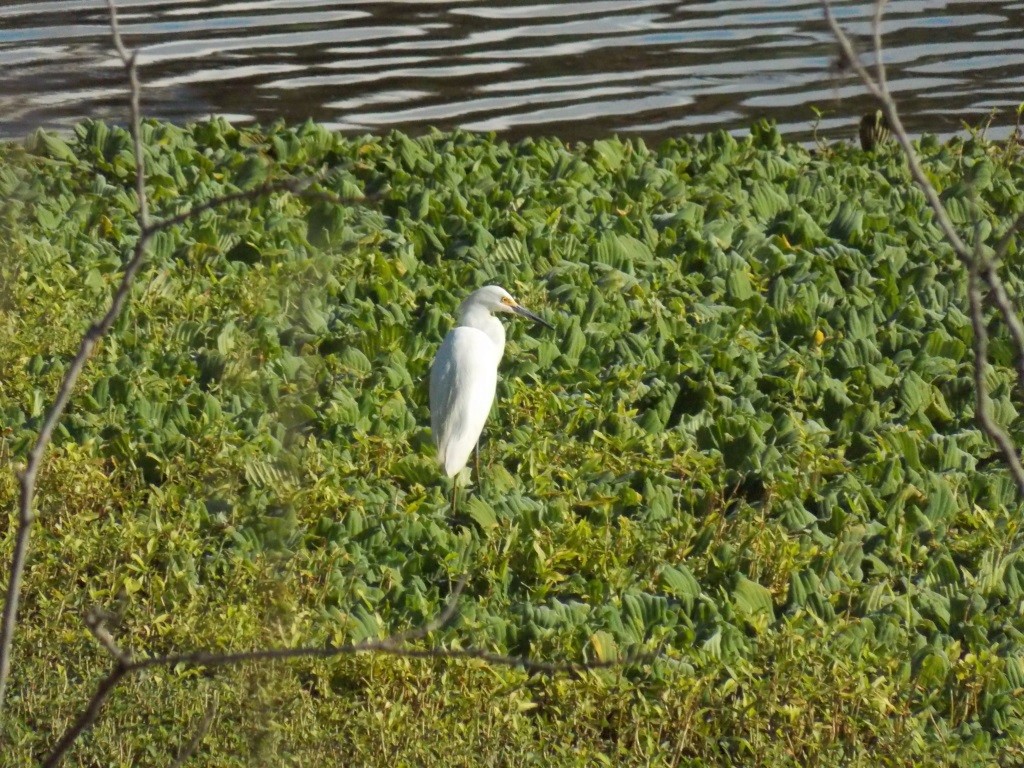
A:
738, 285
659, 500
803, 586
1014, 672
365, 626
766, 201
931, 667
915, 392
226, 338
482, 513
345, 408
314, 318
355, 360
262, 473
941, 501
500, 478
547, 353
620, 250
53, 146
574, 344
720, 232
679, 581
753, 602
980, 173
252, 172
848, 221
611, 153
604, 645
799, 228
796, 517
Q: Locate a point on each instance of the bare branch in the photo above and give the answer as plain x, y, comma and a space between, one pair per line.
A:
443, 619
129, 59
978, 265
186, 752
125, 664
876, 36
28, 475
267, 188
981, 398
85, 351
1007, 238
296, 186
1000, 299
88, 715
880, 91
94, 621
388, 647
96, 332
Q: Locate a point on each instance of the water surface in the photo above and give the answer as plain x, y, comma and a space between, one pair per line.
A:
578, 70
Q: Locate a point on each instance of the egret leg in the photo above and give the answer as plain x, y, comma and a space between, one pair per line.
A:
478, 465
455, 497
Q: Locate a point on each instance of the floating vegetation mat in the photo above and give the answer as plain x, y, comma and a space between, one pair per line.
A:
749, 447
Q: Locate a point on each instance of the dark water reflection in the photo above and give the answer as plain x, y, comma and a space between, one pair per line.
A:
575, 69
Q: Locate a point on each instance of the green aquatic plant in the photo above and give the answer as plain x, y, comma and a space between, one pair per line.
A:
750, 446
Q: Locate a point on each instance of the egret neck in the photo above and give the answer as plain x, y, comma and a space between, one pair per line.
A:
473, 314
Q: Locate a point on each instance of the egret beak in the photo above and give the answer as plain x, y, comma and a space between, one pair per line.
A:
520, 310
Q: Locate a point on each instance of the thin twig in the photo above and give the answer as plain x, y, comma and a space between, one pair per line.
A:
296, 186
974, 260
387, 647
998, 296
880, 92
88, 344
1007, 238
186, 752
266, 188
1000, 299
876, 36
441, 620
92, 337
129, 59
94, 621
88, 715
125, 664
982, 402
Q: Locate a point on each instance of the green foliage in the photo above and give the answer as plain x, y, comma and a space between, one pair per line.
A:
750, 444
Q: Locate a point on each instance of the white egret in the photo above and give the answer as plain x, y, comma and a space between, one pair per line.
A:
464, 375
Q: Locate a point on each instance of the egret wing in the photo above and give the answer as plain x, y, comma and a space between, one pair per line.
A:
463, 379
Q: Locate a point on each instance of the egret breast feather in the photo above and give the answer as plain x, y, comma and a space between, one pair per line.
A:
463, 381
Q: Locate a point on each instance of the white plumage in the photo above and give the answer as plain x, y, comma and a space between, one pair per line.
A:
464, 375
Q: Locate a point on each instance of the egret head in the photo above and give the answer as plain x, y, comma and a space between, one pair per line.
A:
494, 298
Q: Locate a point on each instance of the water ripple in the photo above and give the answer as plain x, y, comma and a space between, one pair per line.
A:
579, 70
